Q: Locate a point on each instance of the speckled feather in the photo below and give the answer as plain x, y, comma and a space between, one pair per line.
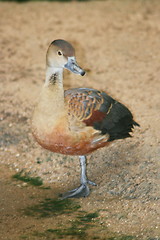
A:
97, 109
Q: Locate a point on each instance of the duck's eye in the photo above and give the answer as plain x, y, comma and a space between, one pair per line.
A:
59, 53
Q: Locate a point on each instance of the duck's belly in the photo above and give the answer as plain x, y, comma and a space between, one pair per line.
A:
69, 144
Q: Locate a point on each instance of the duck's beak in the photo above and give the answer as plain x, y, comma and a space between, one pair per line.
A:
72, 66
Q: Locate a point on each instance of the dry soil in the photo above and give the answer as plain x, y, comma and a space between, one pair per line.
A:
118, 43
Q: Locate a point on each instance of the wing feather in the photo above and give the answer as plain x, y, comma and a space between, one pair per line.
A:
99, 110
87, 105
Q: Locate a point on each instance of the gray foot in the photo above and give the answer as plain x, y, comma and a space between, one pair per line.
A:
82, 191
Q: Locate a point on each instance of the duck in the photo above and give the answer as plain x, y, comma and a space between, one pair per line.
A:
77, 121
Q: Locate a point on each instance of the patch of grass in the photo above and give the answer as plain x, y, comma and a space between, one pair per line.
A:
71, 231
52, 207
35, 181
88, 217
78, 227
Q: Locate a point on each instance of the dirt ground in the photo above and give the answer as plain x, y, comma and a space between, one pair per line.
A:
118, 43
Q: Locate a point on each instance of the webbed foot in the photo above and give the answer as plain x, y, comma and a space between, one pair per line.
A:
83, 189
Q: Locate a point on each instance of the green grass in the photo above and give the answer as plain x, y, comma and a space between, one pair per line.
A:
76, 226
71, 231
51, 207
77, 229
88, 218
35, 181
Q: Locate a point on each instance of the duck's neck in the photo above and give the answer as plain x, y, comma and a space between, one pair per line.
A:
54, 77
52, 95
51, 107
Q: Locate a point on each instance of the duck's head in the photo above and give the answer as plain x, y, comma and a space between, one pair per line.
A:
60, 55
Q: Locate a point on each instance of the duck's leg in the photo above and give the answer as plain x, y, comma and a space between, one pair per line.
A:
83, 189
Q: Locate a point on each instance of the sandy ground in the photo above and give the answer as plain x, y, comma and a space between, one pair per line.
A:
118, 43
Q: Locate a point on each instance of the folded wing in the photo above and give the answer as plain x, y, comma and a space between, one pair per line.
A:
100, 111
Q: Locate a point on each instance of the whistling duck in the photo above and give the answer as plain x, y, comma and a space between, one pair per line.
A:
79, 120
